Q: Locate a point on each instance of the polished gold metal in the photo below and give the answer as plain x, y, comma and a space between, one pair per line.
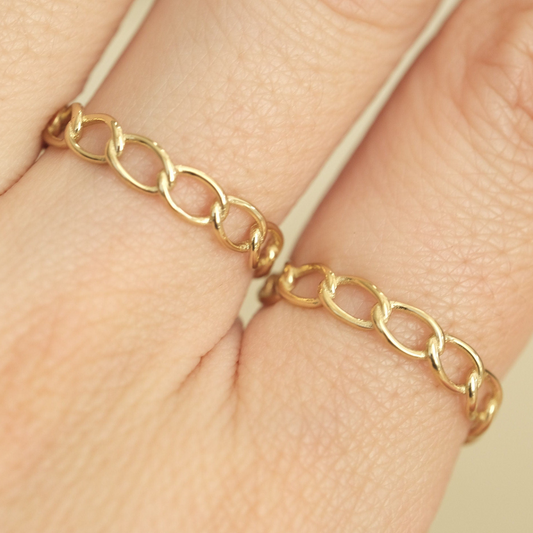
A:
259, 228
379, 319
76, 126
434, 352
52, 135
291, 275
326, 295
165, 186
481, 419
264, 242
112, 155
264, 257
282, 285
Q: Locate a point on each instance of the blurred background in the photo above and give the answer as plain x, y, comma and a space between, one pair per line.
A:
491, 490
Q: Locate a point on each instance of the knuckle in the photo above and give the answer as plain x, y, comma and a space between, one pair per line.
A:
383, 13
489, 80
497, 101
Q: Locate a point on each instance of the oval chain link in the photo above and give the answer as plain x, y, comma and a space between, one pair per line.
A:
76, 126
165, 186
112, 155
474, 380
327, 296
380, 321
282, 285
265, 240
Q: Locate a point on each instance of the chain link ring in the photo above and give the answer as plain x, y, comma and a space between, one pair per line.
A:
70, 122
282, 286
65, 129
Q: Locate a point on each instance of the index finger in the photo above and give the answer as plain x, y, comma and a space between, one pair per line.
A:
47, 50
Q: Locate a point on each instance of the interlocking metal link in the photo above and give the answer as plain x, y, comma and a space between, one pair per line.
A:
282, 285
264, 241
379, 319
291, 274
327, 296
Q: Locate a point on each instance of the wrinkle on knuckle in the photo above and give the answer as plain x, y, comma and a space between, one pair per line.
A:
381, 13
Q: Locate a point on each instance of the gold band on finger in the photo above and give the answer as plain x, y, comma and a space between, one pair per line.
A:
264, 241
281, 286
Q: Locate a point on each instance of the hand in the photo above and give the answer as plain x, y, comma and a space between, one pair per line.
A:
131, 399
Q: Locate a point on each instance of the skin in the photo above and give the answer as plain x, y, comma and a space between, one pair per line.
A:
131, 400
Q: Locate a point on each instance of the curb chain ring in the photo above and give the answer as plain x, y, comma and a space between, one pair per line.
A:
265, 240
278, 286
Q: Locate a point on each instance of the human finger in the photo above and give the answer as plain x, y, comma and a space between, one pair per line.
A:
435, 210
47, 50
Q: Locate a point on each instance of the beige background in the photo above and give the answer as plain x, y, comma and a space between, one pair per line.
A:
491, 490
